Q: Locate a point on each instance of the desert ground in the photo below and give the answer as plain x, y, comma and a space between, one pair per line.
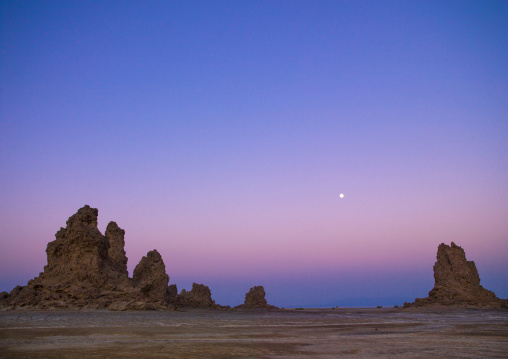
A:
338, 333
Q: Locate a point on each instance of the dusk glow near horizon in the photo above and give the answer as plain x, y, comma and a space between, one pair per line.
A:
322, 149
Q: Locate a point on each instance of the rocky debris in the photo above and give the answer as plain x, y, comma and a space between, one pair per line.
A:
151, 278
457, 282
3, 295
115, 237
255, 299
199, 296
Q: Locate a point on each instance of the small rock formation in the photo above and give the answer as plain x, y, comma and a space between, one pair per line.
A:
150, 276
457, 282
255, 299
199, 296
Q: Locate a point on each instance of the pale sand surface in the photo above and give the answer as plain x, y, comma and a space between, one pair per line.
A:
340, 333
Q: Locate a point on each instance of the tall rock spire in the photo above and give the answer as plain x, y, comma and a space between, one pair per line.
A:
457, 282
115, 237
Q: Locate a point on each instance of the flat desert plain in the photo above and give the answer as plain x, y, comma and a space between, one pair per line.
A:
339, 333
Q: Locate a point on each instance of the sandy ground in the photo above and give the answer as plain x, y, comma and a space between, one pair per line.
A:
340, 333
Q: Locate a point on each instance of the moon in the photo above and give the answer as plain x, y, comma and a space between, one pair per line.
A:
341, 195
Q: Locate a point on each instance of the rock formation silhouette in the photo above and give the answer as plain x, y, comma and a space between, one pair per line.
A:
457, 282
115, 236
199, 296
89, 270
255, 299
150, 276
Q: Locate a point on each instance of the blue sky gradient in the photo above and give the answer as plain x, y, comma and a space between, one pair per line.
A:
221, 133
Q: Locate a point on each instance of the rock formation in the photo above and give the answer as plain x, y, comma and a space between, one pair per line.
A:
80, 251
255, 299
199, 296
115, 236
457, 282
172, 293
88, 270
150, 276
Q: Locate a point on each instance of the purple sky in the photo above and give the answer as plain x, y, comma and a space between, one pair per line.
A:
222, 133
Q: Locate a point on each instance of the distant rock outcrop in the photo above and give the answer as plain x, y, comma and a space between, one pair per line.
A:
199, 296
255, 299
457, 282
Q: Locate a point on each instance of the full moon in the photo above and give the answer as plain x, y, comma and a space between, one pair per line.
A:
341, 195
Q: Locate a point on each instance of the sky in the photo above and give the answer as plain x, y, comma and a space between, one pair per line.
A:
221, 133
